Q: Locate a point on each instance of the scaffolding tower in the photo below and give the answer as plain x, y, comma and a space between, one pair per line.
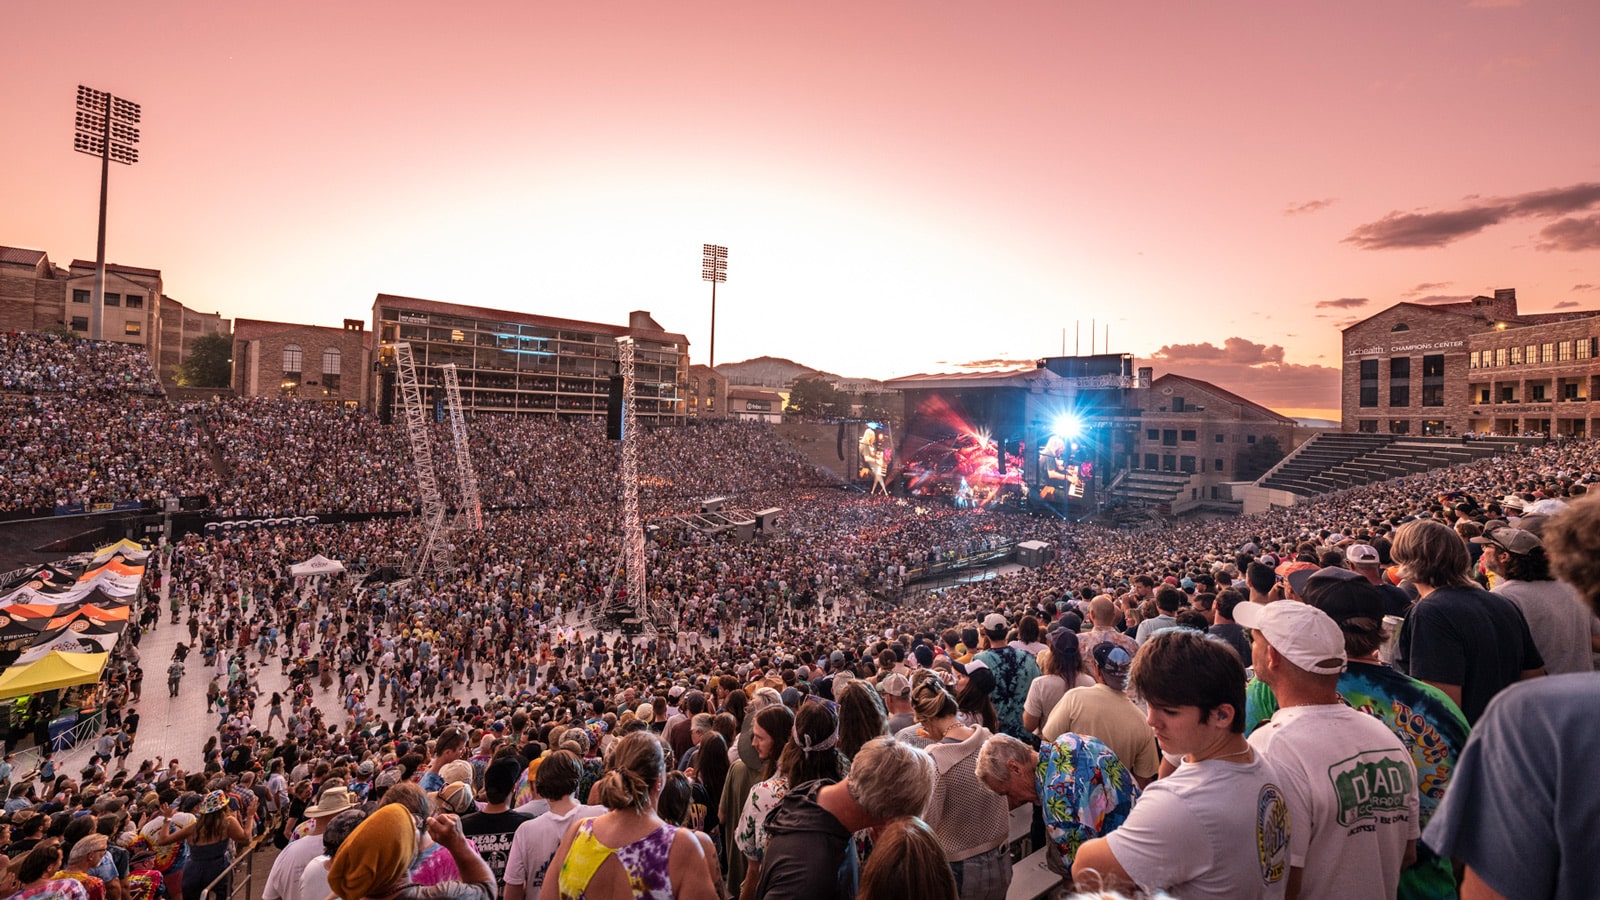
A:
469, 515
649, 618
433, 556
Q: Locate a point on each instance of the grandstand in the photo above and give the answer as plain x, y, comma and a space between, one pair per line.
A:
1333, 461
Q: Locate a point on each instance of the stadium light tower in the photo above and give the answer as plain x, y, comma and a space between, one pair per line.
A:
714, 268
104, 128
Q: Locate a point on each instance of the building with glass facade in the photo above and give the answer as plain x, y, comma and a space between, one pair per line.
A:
517, 362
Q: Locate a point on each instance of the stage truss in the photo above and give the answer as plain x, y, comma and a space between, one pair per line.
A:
433, 555
470, 513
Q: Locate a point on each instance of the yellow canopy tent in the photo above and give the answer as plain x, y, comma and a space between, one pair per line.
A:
56, 670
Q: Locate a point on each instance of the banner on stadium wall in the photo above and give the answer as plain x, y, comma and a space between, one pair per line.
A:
74, 509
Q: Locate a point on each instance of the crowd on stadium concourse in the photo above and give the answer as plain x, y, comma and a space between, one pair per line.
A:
1387, 692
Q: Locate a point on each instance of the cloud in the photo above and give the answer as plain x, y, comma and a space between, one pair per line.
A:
1342, 303
1428, 286
1494, 4
1256, 371
1572, 234
1586, 287
1435, 299
1310, 206
997, 363
1567, 304
1399, 230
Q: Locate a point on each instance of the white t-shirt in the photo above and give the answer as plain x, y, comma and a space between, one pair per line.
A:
284, 879
534, 845
314, 880
1352, 792
1213, 830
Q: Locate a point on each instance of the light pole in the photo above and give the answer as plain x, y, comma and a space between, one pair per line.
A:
713, 268
105, 129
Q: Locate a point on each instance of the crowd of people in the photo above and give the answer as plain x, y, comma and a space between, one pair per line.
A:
1305, 702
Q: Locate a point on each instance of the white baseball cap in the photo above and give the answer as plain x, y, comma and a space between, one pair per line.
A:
1303, 634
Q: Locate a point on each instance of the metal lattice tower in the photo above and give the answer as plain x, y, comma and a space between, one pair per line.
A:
470, 513
632, 562
433, 555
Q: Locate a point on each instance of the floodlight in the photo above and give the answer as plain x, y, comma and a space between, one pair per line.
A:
1067, 426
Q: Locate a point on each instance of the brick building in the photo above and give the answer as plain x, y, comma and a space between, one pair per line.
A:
708, 393
520, 362
1190, 426
305, 362
36, 294
1464, 367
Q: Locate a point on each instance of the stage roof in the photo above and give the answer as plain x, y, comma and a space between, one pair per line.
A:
1018, 378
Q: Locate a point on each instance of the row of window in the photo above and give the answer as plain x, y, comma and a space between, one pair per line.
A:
127, 301
1537, 393
131, 329
1400, 381
1400, 426
1169, 437
1168, 462
1534, 354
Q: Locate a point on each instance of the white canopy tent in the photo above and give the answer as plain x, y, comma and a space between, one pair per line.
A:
317, 565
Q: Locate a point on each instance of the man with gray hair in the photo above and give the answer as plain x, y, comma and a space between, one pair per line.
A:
810, 846
1081, 786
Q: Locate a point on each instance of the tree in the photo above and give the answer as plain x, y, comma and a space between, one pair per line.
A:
816, 397
1257, 458
209, 363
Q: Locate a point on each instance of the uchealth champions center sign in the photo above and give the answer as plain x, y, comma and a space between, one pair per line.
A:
1405, 348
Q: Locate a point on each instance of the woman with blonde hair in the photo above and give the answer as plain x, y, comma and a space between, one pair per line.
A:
907, 863
629, 852
970, 820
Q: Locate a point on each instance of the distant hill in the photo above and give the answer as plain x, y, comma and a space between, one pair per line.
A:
768, 372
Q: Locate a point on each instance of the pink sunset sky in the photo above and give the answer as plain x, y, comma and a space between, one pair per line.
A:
903, 187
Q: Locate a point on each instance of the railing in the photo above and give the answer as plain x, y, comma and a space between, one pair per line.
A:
246, 860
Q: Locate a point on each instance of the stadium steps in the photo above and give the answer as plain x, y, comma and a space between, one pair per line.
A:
1143, 487
1317, 466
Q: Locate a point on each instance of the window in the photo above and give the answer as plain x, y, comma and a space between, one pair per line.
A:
1151, 434
1547, 353
292, 370
1169, 463
1169, 437
1483, 396
1401, 326
80, 296
1500, 356
1249, 439
132, 328
1186, 463
1218, 465
1564, 351
1369, 382
133, 301
1432, 427
1508, 393
113, 299
330, 370
1177, 404
1516, 355
1400, 381
1219, 438
1188, 435
1538, 393
1532, 354
80, 323
1433, 380
1586, 348
1399, 426
1569, 391
1151, 462
1367, 426
1472, 360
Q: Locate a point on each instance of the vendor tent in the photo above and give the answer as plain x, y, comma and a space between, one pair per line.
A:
57, 670
317, 565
